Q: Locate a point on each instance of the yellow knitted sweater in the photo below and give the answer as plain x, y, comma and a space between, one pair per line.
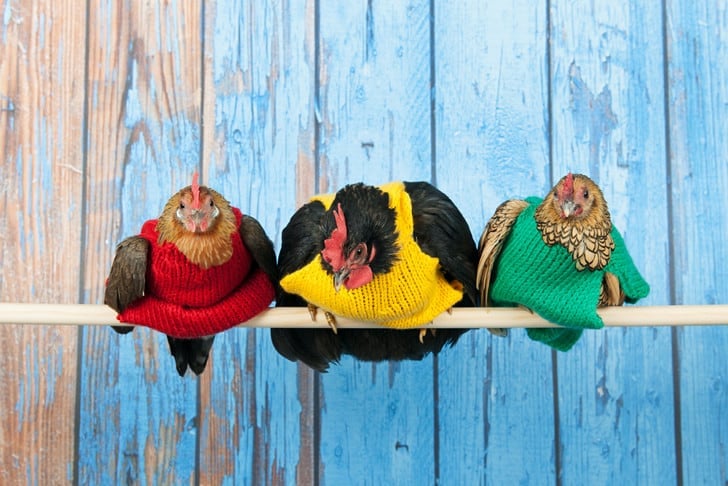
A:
410, 295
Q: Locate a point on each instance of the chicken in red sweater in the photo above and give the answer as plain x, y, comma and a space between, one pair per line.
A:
200, 269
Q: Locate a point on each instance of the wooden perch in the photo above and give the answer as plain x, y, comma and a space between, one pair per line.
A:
628, 316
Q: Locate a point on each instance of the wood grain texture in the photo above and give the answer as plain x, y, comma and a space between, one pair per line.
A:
374, 92
377, 423
375, 127
138, 418
41, 115
616, 411
256, 410
491, 115
698, 102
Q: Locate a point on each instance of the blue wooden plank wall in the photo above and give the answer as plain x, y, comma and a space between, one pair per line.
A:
106, 108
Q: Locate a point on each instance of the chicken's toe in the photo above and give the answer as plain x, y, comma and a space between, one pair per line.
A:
331, 320
498, 331
312, 311
423, 333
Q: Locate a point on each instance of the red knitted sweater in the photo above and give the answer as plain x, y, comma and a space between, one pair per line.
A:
186, 301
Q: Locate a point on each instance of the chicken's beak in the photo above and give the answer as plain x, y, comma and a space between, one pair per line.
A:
198, 220
340, 277
567, 208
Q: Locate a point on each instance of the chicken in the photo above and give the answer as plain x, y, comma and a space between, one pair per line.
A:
201, 268
559, 257
396, 255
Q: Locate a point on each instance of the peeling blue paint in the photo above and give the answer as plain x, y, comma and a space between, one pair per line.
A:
593, 117
52, 366
7, 14
133, 110
59, 72
42, 25
94, 95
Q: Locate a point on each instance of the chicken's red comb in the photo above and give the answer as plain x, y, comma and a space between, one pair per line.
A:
195, 191
568, 187
333, 251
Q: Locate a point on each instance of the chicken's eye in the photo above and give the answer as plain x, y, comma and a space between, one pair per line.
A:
211, 204
359, 253
586, 194
556, 194
181, 205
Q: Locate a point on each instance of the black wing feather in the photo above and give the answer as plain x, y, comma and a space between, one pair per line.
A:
395, 345
127, 277
301, 240
442, 232
260, 247
317, 348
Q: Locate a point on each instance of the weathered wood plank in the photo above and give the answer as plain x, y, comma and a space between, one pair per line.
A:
138, 418
491, 119
698, 102
41, 115
374, 92
377, 421
256, 409
615, 406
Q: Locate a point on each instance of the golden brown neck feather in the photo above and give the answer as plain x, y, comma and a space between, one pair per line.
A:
211, 248
587, 238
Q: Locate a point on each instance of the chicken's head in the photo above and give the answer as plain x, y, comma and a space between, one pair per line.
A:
574, 196
362, 236
196, 209
350, 265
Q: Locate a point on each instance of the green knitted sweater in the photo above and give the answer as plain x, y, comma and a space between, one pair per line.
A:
544, 279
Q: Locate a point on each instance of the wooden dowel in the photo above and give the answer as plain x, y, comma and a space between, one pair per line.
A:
628, 316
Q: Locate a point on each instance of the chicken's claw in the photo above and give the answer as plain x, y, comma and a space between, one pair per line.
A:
331, 320
312, 311
498, 331
423, 333
526, 308
503, 331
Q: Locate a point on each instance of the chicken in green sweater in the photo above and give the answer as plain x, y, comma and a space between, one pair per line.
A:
560, 257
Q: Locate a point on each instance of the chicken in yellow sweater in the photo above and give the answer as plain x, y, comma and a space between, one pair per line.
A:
396, 255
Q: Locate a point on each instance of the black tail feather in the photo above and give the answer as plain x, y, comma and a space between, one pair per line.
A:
190, 352
123, 329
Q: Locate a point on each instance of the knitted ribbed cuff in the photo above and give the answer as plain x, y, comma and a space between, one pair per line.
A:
253, 296
559, 339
